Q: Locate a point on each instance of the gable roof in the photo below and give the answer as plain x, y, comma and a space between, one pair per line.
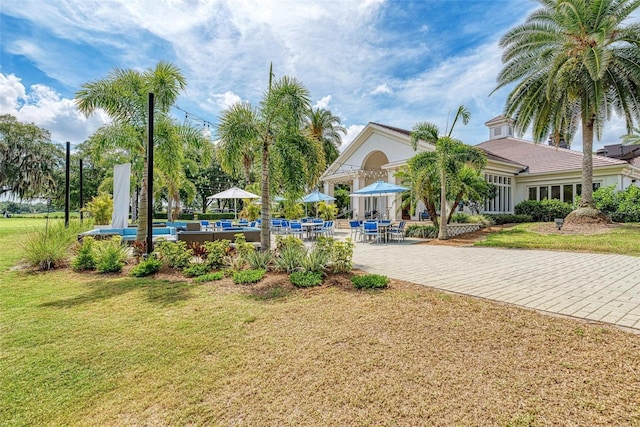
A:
542, 158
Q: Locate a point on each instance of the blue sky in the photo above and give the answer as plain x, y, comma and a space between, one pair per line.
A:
393, 62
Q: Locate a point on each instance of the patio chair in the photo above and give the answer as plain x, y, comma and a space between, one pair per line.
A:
295, 227
370, 229
226, 225
275, 225
356, 229
284, 226
326, 230
204, 225
397, 231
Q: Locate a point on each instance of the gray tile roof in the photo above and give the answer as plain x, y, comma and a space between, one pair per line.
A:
542, 158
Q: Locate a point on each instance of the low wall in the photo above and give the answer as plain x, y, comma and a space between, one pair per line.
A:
458, 229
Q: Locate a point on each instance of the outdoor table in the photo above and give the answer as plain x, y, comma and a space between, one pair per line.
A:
309, 227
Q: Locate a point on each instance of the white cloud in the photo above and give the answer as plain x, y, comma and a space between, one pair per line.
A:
323, 103
47, 109
225, 100
382, 89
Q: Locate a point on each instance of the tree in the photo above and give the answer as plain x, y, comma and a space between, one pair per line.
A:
449, 158
326, 128
28, 159
573, 63
123, 95
632, 138
289, 160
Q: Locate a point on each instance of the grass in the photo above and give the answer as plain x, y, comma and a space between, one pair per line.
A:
624, 239
82, 349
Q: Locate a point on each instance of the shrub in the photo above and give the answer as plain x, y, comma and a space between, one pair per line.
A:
629, 207
305, 279
248, 276
460, 217
315, 260
242, 247
545, 210
86, 258
210, 277
327, 211
606, 200
289, 258
48, 248
287, 241
174, 254
422, 231
146, 267
100, 208
259, 259
215, 252
370, 281
110, 255
342, 256
195, 270
500, 219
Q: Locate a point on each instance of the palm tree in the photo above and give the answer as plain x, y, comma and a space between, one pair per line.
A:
123, 95
574, 63
275, 131
450, 156
632, 137
326, 128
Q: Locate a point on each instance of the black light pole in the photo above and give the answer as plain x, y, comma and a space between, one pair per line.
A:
150, 178
81, 201
67, 166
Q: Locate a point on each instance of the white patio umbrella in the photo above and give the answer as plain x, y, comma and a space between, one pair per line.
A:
234, 193
379, 188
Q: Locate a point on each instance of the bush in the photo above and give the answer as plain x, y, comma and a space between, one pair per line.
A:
422, 231
500, 219
327, 211
289, 258
622, 206
315, 260
242, 247
210, 277
215, 252
460, 218
545, 210
174, 254
86, 258
259, 259
48, 248
110, 255
287, 241
248, 276
342, 256
100, 208
195, 270
305, 279
370, 281
146, 267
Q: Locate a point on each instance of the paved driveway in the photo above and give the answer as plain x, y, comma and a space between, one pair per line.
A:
590, 286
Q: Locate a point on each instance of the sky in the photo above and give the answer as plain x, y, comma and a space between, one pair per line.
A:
393, 62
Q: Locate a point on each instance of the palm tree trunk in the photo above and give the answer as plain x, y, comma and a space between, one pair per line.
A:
143, 211
586, 199
265, 226
443, 234
170, 209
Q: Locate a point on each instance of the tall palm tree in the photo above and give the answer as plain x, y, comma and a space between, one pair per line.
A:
123, 95
275, 130
326, 128
574, 63
451, 155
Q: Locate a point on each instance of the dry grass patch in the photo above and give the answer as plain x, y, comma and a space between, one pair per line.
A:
81, 349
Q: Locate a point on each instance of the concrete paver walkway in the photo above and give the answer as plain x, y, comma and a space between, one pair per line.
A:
590, 286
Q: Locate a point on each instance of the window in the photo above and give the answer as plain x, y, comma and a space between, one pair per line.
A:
567, 193
579, 189
497, 131
555, 192
533, 193
544, 193
502, 201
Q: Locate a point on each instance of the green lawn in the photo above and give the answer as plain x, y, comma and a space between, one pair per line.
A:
89, 349
624, 239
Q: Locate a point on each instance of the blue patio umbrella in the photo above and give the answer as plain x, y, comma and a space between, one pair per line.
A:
315, 197
380, 188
